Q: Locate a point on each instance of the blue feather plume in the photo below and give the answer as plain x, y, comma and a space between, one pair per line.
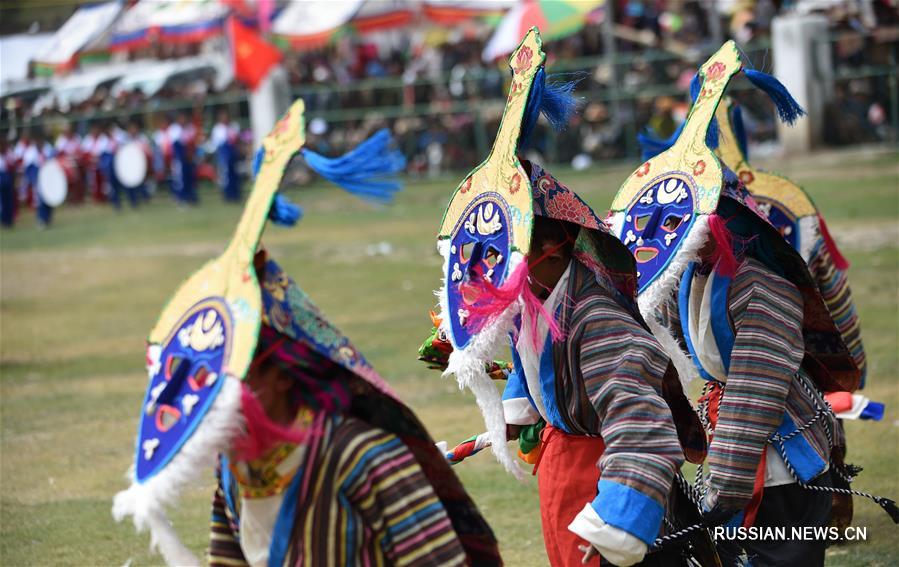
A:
695, 85
736, 120
549, 97
787, 107
257, 161
651, 146
711, 135
284, 212
367, 171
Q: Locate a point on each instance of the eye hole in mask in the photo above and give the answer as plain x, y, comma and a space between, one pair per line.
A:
171, 363
671, 223
645, 254
198, 380
641, 222
491, 258
466, 251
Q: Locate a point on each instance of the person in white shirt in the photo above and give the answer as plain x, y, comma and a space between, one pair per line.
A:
224, 140
182, 136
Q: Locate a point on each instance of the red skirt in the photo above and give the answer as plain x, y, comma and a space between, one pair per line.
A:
567, 478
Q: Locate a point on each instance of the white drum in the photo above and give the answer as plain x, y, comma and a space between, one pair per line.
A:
131, 164
53, 179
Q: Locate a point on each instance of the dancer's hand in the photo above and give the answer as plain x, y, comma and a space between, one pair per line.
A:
589, 552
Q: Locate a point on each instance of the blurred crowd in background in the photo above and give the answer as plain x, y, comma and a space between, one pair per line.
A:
439, 96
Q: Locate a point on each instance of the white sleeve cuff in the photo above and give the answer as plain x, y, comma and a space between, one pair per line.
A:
616, 546
519, 411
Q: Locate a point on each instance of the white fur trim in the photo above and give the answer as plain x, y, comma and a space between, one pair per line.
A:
661, 289
469, 365
443, 247
809, 235
146, 502
616, 223
686, 370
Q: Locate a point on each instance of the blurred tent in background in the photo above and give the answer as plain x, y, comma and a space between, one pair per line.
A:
78, 35
310, 25
15, 53
307, 25
151, 76
555, 18
171, 21
76, 88
449, 12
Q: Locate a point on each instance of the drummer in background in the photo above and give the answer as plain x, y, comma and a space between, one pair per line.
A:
68, 146
26, 191
68, 142
135, 133
162, 153
37, 152
92, 147
106, 145
7, 185
224, 139
182, 135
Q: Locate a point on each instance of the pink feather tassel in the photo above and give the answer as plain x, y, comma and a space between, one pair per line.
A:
726, 263
492, 301
262, 434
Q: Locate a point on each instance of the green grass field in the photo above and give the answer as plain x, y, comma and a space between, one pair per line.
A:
78, 300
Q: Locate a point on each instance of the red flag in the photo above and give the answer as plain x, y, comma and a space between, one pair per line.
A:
253, 56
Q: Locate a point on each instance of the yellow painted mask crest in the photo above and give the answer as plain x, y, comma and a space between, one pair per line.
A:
229, 282
764, 186
690, 156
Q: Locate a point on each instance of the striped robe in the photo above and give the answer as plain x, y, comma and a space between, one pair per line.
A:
834, 287
607, 383
368, 503
765, 311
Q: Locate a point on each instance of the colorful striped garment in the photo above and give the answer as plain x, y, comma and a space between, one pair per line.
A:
834, 286
605, 380
360, 498
762, 391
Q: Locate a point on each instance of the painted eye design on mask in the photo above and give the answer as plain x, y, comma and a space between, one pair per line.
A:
187, 372
656, 222
641, 221
166, 417
672, 222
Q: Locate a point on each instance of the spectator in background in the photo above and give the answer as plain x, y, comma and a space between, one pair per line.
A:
7, 183
135, 134
162, 153
107, 146
182, 135
34, 154
24, 153
68, 147
224, 140
92, 146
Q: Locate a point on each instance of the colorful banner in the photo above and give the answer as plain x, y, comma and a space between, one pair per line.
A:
84, 27
174, 21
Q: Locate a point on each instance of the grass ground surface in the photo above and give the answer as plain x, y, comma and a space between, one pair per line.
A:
77, 301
